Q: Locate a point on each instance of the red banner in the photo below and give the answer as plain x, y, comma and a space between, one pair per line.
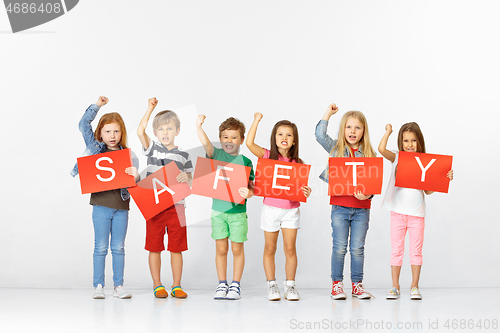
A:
424, 171
282, 180
106, 171
348, 175
159, 191
220, 180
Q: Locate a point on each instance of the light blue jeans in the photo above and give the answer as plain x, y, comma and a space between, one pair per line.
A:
354, 222
114, 222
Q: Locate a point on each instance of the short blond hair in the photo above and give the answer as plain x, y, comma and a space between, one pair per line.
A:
164, 117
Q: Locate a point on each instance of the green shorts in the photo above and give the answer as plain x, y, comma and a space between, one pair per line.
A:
229, 225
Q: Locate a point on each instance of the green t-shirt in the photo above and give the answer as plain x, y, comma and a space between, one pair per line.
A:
227, 206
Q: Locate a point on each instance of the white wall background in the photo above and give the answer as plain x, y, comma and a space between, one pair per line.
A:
433, 62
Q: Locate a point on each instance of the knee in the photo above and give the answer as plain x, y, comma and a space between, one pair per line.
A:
270, 249
100, 250
118, 249
357, 251
290, 251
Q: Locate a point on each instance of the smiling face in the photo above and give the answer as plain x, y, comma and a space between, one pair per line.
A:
410, 142
111, 135
284, 139
231, 141
166, 134
354, 130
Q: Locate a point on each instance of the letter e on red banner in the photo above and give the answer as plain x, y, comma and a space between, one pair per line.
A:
159, 191
220, 180
348, 175
424, 171
282, 180
106, 171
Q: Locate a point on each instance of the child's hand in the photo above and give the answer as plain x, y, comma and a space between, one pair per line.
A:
450, 175
245, 193
101, 101
152, 102
182, 177
257, 116
332, 109
200, 119
132, 171
388, 128
307, 191
360, 196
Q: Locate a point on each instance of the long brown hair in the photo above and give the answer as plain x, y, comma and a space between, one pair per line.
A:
108, 118
293, 153
415, 129
364, 142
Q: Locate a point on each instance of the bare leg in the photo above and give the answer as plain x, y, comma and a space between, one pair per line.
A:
415, 274
289, 239
221, 248
395, 272
155, 268
176, 262
271, 238
238, 260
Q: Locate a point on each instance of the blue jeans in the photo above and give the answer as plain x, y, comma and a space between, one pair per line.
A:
355, 221
109, 221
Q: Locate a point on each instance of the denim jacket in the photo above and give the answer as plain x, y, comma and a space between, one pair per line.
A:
328, 144
95, 147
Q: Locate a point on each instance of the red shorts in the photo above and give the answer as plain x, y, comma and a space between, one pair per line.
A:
173, 221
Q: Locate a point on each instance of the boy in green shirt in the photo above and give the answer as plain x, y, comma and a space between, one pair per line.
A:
229, 220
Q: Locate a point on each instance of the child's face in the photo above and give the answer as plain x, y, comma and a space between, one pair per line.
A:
284, 137
166, 134
354, 130
410, 142
231, 141
111, 135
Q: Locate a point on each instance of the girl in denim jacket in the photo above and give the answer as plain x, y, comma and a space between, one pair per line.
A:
350, 214
110, 208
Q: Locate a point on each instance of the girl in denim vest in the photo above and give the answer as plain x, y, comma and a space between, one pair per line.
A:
110, 208
350, 214
407, 206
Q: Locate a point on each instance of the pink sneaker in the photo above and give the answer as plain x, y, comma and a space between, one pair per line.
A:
359, 292
338, 290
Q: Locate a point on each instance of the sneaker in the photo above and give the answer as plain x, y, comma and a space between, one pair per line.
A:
221, 291
338, 290
99, 292
291, 293
120, 292
273, 293
415, 293
359, 292
393, 294
234, 292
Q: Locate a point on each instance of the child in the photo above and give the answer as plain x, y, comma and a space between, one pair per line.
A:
110, 208
279, 213
166, 126
229, 220
350, 214
407, 208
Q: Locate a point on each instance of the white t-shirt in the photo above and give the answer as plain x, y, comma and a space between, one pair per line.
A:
407, 201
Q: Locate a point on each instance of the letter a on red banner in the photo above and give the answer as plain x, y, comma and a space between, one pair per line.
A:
282, 180
424, 171
106, 171
348, 175
220, 180
159, 191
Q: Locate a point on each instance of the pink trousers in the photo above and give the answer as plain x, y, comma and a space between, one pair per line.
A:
415, 226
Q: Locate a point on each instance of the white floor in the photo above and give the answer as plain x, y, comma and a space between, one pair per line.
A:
74, 310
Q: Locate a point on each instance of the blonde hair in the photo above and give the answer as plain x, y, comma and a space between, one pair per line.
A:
364, 142
108, 118
164, 117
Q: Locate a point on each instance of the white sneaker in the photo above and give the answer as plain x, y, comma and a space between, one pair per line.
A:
221, 291
234, 292
415, 293
120, 292
273, 293
291, 293
99, 292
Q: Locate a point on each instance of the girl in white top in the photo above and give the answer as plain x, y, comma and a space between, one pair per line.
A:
407, 208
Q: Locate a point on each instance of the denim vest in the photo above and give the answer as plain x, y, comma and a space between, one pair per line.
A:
93, 146
328, 144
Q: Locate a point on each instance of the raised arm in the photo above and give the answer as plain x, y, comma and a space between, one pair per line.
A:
255, 148
88, 117
209, 148
332, 109
382, 147
141, 130
321, 136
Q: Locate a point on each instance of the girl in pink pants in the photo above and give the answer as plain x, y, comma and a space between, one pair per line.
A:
407, 208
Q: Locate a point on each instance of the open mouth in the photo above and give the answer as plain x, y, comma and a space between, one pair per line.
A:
352, 137
284, 143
